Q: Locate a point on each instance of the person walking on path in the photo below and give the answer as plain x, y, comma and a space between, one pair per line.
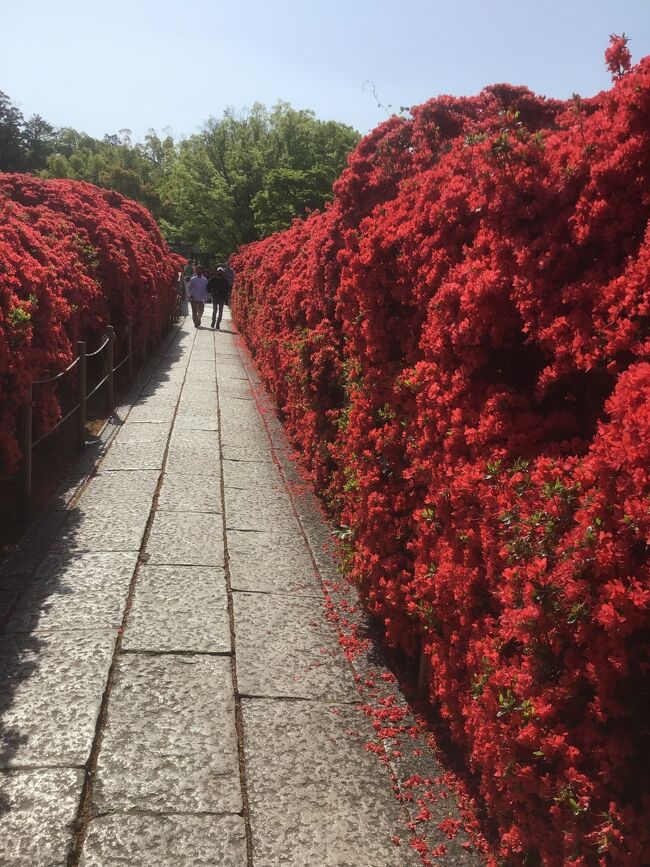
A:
219, 288
198, 292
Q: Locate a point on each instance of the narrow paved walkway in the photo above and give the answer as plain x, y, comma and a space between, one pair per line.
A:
172, 692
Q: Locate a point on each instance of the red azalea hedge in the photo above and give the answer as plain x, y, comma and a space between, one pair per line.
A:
73, 258
459, 346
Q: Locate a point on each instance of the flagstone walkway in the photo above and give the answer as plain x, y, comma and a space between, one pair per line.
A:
171, 691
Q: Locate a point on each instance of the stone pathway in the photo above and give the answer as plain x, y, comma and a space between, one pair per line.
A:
171, 691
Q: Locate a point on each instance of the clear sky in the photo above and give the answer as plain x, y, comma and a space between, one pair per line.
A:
104, 65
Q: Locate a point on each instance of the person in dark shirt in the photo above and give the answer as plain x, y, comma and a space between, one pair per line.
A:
219, 288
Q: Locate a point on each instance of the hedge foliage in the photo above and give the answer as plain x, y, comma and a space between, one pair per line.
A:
459, 347
73, 258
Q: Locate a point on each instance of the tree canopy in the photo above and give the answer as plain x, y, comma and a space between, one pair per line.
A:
241, 177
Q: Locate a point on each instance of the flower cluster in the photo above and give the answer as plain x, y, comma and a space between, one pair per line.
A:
73, 258
460, 349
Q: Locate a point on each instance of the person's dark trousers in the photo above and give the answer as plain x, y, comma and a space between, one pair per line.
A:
217, 304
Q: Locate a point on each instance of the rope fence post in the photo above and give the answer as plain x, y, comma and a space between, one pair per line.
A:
424, 674
26, 468
129, 346
81, 395
110, 346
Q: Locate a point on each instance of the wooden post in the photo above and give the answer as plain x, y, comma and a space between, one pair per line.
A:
26, 469
81, 395
129, 346
110, 403
424, 673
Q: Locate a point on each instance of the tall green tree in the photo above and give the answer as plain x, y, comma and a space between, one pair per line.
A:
40, 140
244, 176
12, 141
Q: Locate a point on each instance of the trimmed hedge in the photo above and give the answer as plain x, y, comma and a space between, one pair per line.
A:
459, 346
73, 258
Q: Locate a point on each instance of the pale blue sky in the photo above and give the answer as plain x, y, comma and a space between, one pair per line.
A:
104, 65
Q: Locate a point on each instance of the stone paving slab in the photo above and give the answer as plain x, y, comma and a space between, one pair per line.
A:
285, 647
170, 376
164, 398
157, 393
271, 563
202, 465
186, 538
230, 373
235, 431
115, 487
229, 366
201, 382
242, 453
226, 341
88, 591
407, 765
259, 510
244, 438
200, 392
204, 409
171, 370
142, 433
151, 412
170, 743
246, 474
240, 412
186, 421
204, 442
199, 400
289, 465
134, 456
165, 841
316, 797
186, 492
166, 387
179, 608
103, 532
200, 385
167, 393
200, 374
121, 508
37, 810
234, 390
50, 693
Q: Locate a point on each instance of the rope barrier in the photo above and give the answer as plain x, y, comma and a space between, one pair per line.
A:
79, 408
